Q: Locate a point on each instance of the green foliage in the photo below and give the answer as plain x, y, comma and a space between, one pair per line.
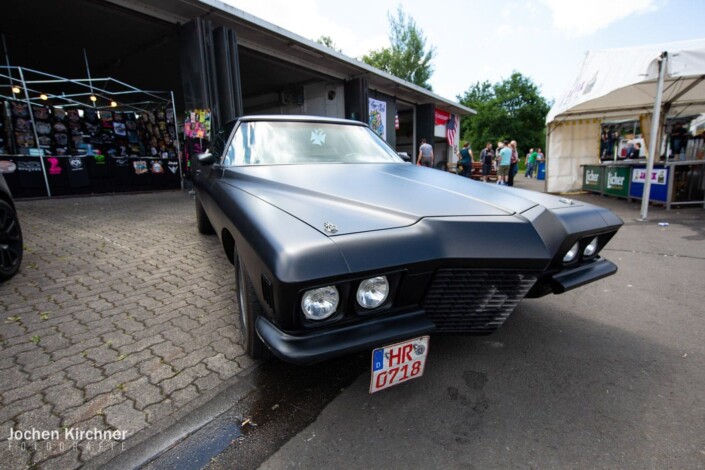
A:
512, 109
328, 42
408, 57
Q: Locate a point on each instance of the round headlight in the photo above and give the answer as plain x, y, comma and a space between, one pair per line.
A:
321, 303
591, 249
373, 292
572, 253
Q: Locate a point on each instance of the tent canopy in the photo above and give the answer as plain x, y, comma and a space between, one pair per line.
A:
619, 83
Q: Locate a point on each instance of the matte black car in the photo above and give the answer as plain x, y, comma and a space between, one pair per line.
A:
11, 247
340, 246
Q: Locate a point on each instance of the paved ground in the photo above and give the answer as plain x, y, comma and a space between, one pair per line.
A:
121, 315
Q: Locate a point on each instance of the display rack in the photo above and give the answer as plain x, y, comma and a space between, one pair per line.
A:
106, 96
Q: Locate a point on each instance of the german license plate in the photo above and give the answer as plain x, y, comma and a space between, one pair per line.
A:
392, 365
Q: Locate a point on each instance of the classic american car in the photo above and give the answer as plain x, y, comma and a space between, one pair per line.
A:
10, 234
340, 246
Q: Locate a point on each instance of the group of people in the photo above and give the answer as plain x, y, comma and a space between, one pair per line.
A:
505, 158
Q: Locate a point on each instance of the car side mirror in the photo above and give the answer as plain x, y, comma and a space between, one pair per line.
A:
404, 156
206, 158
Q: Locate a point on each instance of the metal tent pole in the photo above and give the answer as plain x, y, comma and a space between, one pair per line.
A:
654, 144
176, 140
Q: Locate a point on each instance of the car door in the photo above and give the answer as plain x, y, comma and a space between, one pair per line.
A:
207, 175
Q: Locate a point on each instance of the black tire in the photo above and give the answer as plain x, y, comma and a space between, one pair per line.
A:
249, 309
11, 246
202, 222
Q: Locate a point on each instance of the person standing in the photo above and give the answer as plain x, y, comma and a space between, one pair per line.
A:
487, 157
530, 162
465, 159
513, 163
505, 160
425, 154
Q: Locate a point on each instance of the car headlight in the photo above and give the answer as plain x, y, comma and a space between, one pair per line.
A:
572, 253
321, 303
373, 292
591, 249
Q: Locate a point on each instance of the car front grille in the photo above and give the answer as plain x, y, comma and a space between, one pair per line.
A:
474, 301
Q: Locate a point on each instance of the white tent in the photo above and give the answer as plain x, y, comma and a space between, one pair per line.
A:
619, 84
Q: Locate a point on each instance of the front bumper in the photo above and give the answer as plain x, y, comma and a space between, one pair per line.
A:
581, 275
323, 345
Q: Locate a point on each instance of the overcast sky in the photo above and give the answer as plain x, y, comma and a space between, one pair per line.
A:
478, 40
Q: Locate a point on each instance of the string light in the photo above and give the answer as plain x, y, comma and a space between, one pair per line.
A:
93, 98
113, 104
16, 89
43, 97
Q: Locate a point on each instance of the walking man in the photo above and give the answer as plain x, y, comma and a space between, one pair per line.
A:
425, 154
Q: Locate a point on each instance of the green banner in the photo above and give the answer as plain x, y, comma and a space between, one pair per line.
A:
617, 181
592, 178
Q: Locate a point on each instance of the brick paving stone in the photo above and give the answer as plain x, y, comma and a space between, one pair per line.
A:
114, 314
30, 389
127, 361
83, 374
183, 396
222, 366
143, 393
124, 417
111, 383
183, 379
93, 407
63, 397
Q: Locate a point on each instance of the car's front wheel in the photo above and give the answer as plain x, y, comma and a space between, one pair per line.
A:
10, 241
250, 309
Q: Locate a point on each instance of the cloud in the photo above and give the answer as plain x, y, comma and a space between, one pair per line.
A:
585, 18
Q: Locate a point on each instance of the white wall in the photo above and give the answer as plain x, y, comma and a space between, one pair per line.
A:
571, 144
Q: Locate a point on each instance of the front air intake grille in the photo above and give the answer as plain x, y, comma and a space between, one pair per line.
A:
472, 301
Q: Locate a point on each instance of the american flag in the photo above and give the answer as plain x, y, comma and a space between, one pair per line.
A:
452, 130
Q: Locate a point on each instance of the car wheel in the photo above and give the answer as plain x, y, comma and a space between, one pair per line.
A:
202, 222
250, 309
10, 241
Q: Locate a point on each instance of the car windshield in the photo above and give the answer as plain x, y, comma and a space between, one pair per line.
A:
282, 143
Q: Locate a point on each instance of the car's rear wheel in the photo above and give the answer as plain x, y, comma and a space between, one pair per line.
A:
250, 309
202, 222
10, 241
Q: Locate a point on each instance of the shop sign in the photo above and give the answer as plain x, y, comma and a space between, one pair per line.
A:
592, 178
29, 167
617, 181
658, 175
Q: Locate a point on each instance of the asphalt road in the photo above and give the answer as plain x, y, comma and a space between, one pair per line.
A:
611, 375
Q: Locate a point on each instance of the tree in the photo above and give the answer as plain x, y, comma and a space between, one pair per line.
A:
328, 42
512, 109
407, 57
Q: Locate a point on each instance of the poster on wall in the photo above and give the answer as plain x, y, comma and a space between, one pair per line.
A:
378, 117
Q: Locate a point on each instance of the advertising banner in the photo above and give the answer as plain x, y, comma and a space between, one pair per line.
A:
617, 181
592, 178
659, 183
378, 117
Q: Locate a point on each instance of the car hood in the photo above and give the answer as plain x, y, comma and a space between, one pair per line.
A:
351, 198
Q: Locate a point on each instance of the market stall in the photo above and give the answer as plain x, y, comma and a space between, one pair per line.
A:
63, 136
654, 90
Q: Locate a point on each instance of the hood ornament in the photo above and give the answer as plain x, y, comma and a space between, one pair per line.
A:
329, 227
567, 201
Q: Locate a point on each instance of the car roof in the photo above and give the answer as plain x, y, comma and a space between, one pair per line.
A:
299, 118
